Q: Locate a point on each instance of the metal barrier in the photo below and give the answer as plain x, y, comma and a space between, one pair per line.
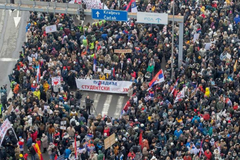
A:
38, 6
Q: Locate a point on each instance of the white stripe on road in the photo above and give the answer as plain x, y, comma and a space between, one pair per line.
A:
96, 100
119, 107
8, 59
2, 20
106, 105
10, 94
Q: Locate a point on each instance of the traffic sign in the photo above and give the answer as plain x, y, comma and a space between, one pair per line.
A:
152, 18
109, 15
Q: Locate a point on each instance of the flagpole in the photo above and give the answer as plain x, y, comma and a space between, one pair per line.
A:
172, 75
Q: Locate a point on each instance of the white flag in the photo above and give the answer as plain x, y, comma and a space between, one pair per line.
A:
52, 28
3, 130
180, 95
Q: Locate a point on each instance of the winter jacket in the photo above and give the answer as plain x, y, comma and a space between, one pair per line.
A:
100, 155
44, 141
67, 153
29, 142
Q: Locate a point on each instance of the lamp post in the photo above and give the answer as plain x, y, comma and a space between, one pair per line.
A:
172, 73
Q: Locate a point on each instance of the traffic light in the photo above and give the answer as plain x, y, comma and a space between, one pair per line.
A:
81, 13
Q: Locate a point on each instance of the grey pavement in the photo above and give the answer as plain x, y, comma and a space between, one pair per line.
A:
11, 40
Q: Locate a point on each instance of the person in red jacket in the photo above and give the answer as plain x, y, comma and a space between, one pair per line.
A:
131, 154
106, 131
187, 157
208, 154
206, 116
34, 136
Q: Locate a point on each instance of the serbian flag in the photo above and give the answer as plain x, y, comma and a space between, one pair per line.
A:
174, 87
180, 96
128, 103
158, 78
94, 62
38, 151
228, 102
113, 72
132, 7
75, 147
38, 73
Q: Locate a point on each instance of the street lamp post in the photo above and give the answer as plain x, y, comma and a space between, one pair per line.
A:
172, 68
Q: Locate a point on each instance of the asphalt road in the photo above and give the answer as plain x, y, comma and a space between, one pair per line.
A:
11, 41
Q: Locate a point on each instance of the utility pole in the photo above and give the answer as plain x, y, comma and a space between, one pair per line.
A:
103, 4
172, 68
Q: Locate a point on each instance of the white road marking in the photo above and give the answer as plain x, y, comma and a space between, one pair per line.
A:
2, 20
10, 94
8, 59
17, 19
106, 105
96, 100
10, 12
119, 107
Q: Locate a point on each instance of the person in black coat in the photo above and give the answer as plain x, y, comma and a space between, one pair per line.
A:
89, 103
32, 152
84, 156
78, 96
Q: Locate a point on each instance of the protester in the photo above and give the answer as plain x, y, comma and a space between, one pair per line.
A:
193, 115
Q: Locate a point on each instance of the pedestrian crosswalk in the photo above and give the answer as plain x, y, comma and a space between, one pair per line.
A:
105, 104
96, 100
119, 106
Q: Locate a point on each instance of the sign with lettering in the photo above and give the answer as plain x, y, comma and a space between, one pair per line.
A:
52, 28
152, 18
56, 81
108, 142
122, 51
107, 86
93, 4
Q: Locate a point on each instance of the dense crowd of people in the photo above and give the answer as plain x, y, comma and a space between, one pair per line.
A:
193, 115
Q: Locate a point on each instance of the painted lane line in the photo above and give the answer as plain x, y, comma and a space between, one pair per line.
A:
96, 100
106, 105
119, 107
8, 59
84, 95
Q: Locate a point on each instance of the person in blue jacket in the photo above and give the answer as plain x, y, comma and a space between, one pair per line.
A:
178, 132
29, 142
67, 152
195, 118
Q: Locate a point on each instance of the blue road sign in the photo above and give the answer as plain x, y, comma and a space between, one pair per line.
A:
109, 15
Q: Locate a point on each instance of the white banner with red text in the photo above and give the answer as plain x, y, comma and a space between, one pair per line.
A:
4, 128
108, 86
